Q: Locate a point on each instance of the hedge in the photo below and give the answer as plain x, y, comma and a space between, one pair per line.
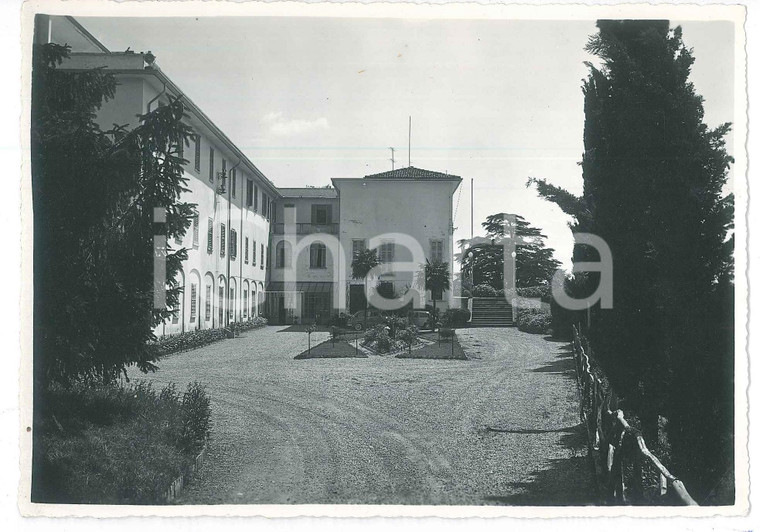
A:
176, 343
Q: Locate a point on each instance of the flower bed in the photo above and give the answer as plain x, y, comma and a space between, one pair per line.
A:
378, 341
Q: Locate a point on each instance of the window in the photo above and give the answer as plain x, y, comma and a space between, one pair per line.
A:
245, 304
261, 265
233, 244
256, 198
196, 230
181, 147
210, 244
231, 305
282, 254
197, 153
357, 246
233, 183
436, 251
264, 212
222, 240
246, 250
211, 165
249, 193
193, 302
253, 257
221, 306
321, 214
317, 255
386, 252
224, 173
208, 302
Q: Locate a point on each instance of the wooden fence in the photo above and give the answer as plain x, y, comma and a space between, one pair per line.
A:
624, 464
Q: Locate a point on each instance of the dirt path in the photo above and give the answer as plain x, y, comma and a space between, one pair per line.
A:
382, 430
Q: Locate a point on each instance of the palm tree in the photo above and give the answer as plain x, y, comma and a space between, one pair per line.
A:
437, 278
363, 262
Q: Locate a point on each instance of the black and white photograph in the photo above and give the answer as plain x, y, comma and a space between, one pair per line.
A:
484, 259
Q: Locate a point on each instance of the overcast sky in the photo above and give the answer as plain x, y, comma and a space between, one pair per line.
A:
308, 99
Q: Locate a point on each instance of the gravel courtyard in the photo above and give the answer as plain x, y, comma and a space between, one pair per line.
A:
500, 428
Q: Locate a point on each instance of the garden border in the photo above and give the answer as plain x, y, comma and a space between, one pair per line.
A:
178, 484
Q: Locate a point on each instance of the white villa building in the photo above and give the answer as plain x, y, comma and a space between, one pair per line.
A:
230, 275
391, 211
224, 277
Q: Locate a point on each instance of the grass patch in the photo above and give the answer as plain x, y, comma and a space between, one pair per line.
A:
340, 349
437, 350
110, 444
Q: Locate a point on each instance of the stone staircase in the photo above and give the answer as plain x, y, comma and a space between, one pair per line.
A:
491, 312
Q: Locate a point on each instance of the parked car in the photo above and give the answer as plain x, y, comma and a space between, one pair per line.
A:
422, 319
357, 322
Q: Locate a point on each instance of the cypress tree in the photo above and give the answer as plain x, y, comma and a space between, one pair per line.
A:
653, 187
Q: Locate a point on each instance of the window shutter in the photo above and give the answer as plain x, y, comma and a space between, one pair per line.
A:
210, 244
193, 301
211, 164
222, 240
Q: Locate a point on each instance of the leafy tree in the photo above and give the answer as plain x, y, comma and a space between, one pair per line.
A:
94, 193
653, 177
437, 278
534, 262
363, 262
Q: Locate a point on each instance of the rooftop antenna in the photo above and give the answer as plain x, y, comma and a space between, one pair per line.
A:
409, 151
393, 160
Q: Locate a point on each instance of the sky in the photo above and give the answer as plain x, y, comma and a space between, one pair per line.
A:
495, 101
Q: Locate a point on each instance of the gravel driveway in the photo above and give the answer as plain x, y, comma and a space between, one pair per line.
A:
500, 428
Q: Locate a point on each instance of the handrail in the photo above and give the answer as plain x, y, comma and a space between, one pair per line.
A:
619, 442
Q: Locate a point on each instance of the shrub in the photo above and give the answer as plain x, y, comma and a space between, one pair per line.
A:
533, 320
542, 292
408, 336
484, 290
196, 418
396, 323
116, 444
383, 342
371, 335
457, 317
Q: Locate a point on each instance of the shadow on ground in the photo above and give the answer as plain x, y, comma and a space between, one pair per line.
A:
562, 364
558, 484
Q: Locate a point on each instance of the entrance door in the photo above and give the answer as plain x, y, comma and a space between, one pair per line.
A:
357, 299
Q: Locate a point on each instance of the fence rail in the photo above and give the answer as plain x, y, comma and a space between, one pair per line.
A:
619, 450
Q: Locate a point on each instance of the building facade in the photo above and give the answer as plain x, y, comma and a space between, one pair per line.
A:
224, 277
406, 214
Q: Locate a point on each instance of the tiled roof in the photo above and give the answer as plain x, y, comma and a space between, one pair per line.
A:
308, 192
411, 172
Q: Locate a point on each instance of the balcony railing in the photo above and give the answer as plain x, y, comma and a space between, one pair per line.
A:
307, 228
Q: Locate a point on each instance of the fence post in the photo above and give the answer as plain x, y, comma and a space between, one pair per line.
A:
663, 485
